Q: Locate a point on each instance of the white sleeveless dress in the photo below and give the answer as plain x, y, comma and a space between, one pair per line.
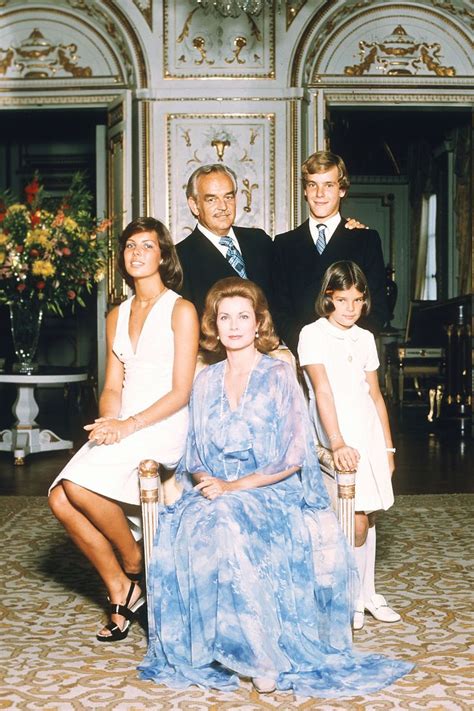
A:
111, 470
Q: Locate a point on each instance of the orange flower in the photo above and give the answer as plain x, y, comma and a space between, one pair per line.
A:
71, 295
40, 285
21, 287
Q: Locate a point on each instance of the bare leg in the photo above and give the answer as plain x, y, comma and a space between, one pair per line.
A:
96, 524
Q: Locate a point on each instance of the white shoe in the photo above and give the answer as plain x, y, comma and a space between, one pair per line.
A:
378, 608
263, 684
358, 621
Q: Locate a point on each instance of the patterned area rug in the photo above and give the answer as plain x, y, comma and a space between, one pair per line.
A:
51, 607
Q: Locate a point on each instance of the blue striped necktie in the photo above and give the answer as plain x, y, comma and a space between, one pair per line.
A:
321, 241
233, 256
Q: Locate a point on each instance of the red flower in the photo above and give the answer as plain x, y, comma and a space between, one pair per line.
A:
66, 251
40, 285
31, 190
71, 295
21, 287
19, 248
35, 218
34, 253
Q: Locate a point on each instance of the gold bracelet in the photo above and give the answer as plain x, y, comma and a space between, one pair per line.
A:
139, 424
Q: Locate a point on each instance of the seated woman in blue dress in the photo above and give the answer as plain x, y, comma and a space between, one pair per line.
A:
251, 575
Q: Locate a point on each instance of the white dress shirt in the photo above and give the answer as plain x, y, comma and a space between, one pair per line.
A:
214, 239
331, 225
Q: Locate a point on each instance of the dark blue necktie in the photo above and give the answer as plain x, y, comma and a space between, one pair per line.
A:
321, 241
233, 256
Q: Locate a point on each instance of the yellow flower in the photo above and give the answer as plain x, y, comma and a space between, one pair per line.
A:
2, 258
43, 267
17, 207
99, 275
70, 224
4, 239
39, 236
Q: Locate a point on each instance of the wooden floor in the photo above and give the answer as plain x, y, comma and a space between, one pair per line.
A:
430, 459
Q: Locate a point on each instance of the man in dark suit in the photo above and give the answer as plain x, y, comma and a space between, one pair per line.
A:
301, 256
217, 248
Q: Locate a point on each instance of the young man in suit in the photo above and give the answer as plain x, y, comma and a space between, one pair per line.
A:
217, 248
301, 256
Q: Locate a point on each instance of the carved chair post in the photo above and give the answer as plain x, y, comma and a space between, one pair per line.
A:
346, 504
149, 480
341, 488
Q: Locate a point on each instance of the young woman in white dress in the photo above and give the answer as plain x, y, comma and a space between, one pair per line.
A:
348, 410
152, 342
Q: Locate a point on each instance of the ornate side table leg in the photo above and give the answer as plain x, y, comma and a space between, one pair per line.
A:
25, 410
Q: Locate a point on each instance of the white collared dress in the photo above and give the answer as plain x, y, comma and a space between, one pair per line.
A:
111, 470
347, 355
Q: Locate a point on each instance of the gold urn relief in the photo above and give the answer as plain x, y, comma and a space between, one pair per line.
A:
220, 145
36, 57
399, 54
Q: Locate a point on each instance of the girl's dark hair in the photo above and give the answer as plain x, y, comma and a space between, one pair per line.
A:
235, 286
339, 277
170, 268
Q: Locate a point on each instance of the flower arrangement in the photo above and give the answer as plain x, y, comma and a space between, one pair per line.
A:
50, 255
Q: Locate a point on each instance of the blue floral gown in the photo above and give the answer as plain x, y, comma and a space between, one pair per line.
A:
256, 582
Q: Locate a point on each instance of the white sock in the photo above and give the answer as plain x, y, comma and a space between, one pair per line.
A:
368, 581
360, 558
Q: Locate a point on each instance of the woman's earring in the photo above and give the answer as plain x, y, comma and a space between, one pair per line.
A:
161, 261
256, 334
218, 338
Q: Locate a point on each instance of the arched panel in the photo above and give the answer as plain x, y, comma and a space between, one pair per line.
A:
395, 40
50, 48
366, 39
58, 44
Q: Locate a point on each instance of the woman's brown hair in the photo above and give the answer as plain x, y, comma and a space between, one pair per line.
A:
228, 288
170, 268
339, 277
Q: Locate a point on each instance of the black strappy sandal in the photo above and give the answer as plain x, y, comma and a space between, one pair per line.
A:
117, 633
135, 577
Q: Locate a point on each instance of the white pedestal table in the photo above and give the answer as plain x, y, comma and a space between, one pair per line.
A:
26, 437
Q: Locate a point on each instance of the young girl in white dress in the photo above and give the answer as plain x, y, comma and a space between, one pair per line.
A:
340, 363
152, 342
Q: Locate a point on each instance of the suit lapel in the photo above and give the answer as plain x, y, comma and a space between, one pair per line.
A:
244, 239
212, 259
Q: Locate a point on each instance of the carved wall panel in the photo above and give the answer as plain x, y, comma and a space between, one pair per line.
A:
48, 45
204, 44
244, 142
390, 40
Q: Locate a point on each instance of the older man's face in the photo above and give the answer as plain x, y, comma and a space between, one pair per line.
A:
214, 204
